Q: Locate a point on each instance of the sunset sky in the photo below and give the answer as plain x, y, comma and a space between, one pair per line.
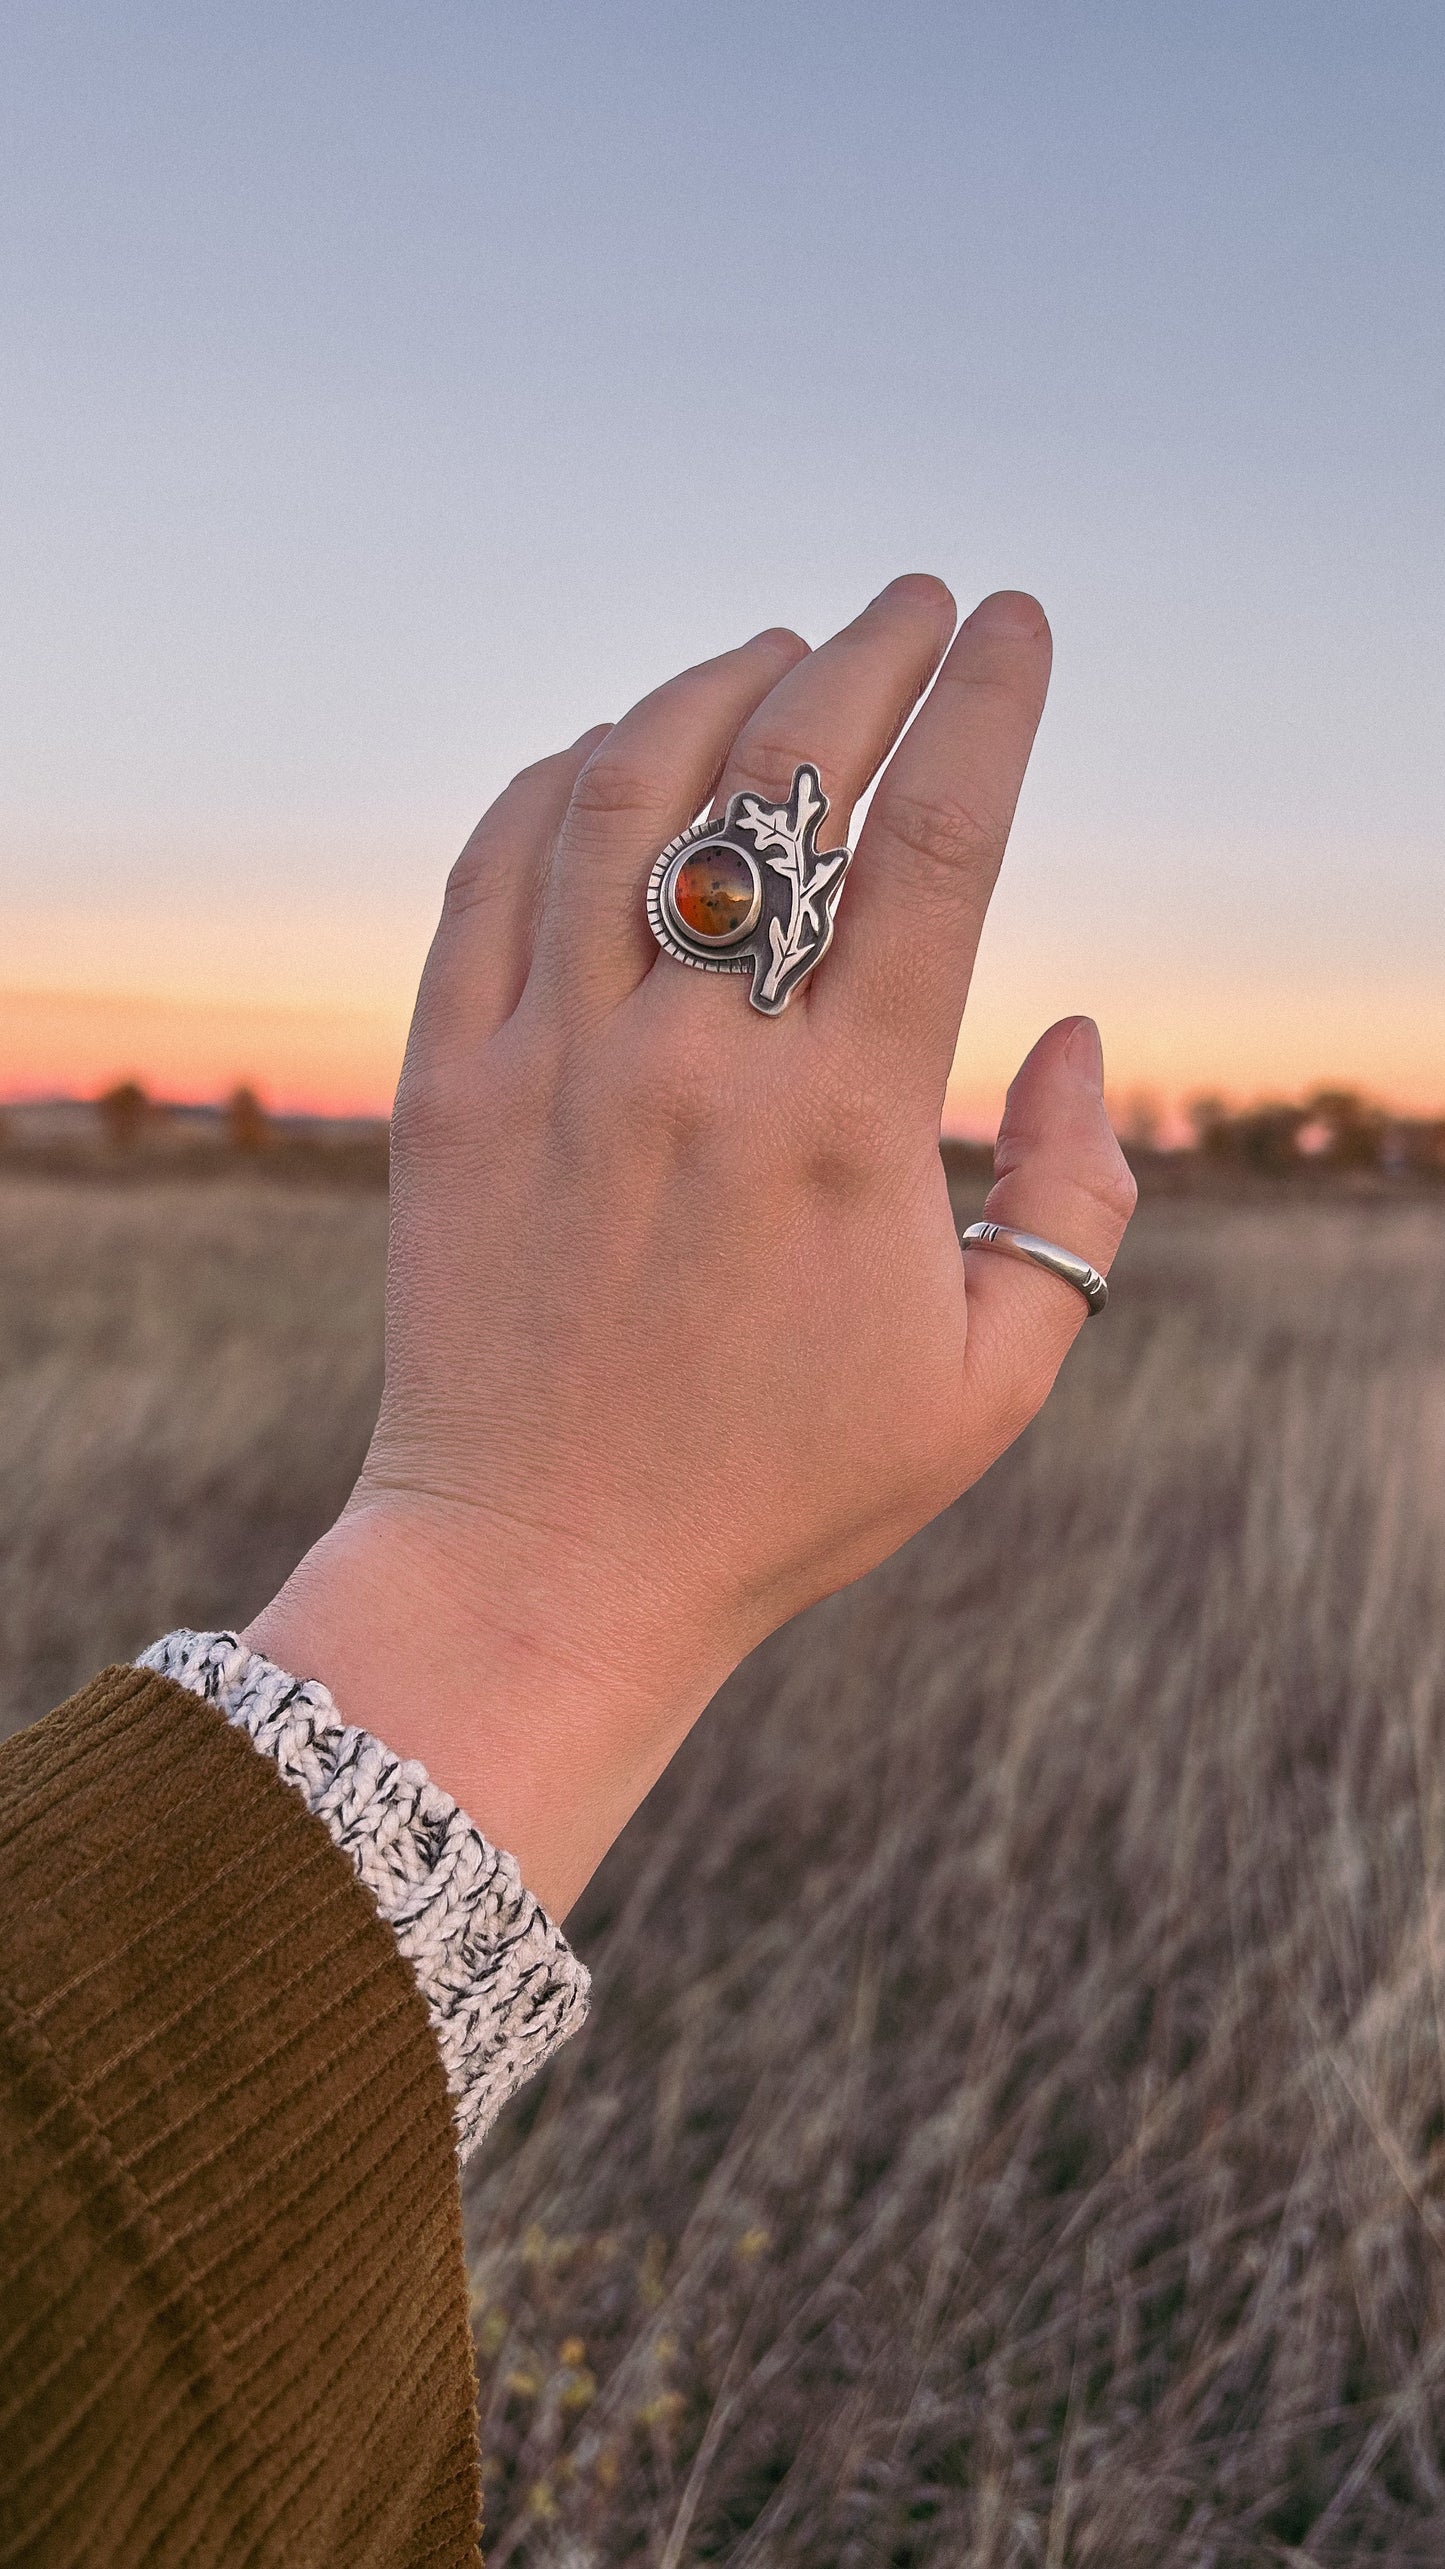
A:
391, 392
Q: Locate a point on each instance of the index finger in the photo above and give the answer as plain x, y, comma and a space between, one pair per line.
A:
930, 851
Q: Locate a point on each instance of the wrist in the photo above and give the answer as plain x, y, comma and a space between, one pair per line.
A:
534, 1686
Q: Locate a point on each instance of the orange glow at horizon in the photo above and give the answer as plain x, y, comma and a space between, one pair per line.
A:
1241, 1036
318, 1061
335, 1059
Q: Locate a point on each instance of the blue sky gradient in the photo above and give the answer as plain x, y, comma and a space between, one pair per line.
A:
391, 392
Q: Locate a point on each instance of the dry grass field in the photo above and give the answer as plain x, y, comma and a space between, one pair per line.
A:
1011, 2128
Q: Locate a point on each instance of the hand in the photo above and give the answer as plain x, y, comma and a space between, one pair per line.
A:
679, 1333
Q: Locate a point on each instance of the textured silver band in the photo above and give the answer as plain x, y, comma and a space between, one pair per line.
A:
1041, 1253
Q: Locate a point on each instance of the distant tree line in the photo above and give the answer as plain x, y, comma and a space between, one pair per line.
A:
128, 1114
1333, 1128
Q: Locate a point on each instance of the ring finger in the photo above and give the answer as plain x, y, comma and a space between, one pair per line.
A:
842, 708
644, 782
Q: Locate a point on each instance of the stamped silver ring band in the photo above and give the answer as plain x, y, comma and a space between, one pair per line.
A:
1041, 1253
752, 892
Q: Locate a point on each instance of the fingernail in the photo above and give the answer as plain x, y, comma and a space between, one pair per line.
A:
1084, 1053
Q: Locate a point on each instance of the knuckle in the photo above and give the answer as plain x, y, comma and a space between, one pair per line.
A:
846, 1140
1116, 1187
432, 1105
835, 1169
675, 1082
1109, 1177
542, 778
674, 1091
942, 836
616, 785
453, 1097
766, 763
506, 834
474, 878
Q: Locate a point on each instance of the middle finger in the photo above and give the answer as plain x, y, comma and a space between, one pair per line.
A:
842, 708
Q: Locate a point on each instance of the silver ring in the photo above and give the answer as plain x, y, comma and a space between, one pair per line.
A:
1041, 1253
752, 892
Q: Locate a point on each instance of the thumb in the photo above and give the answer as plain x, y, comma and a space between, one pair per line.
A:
1061, 1174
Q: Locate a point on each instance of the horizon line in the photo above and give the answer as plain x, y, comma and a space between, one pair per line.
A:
1125, 1106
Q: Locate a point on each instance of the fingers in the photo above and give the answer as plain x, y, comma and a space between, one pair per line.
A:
845, 705
920, 883
480, 955
842, 708
651, 775
1061, 1175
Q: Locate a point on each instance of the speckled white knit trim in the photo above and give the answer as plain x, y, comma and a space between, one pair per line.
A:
502, 1986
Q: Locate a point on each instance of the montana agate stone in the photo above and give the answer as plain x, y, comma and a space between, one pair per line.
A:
713, 892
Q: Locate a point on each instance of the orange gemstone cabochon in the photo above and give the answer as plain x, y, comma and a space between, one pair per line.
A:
713, 891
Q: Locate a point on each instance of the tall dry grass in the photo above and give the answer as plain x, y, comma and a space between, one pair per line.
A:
188, 1377
1012, 2124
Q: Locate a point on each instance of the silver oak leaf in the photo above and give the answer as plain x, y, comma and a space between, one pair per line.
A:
790, 828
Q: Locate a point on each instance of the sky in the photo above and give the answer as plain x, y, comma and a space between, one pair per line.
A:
391, 392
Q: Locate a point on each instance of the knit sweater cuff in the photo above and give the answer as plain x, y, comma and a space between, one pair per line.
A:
501, 1984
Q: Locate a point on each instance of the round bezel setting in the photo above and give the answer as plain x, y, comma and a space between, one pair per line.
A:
788, 922
689, 936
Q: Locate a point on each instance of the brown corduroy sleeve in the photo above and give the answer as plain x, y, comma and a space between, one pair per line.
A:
233, 2326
